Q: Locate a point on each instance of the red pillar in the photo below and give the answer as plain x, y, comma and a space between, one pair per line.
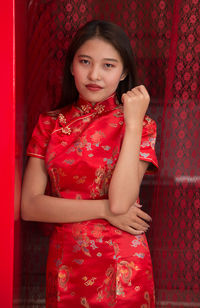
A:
7, 153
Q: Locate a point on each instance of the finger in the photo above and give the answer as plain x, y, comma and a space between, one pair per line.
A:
133, 231
136, 214
134, 219
131, 93
140, 222
142, 90
126, 96
139, 227
142, 214
136, 91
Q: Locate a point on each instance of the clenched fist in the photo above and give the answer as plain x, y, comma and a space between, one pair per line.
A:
136, 102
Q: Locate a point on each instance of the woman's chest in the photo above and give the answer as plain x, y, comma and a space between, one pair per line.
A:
82, 162
92, 140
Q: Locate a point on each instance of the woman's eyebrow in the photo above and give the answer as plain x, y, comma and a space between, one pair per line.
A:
111, 59
84, 56
105, 59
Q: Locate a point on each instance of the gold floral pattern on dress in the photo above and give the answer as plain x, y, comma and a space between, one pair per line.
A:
101, 183
66, 130
99, 108
97, 137
86, 108
80, 235
62, 121
98, 231
63, 276
147, 298
84, 302
124, 273
100, 187
80, 144
108, 288
89, 282
79, 180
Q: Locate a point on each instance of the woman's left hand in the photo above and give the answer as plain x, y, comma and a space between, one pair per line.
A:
135, 104
134, 221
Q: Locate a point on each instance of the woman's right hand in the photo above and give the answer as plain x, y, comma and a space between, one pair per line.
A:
134, 221
136, 102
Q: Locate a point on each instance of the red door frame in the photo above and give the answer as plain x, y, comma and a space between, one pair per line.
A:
7, 153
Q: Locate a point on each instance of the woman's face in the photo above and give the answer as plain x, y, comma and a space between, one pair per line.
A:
97, 69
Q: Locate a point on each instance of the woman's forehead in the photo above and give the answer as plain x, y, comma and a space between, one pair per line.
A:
98, 47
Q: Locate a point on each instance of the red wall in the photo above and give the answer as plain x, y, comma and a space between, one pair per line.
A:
20, 112
12, 80
7, 153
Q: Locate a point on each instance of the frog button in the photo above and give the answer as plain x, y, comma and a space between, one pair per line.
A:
66, 130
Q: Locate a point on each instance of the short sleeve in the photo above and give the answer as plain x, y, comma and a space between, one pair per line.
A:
147, 148
40, 138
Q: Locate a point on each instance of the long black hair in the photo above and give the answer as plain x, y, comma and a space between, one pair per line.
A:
112, 34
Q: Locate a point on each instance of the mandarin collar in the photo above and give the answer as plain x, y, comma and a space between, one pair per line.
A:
100, 107
87, 109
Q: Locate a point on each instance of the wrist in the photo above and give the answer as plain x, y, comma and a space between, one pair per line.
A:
104, 209
135, 127
106, 212
134, 122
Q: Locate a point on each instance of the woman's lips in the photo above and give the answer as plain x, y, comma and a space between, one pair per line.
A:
93, 87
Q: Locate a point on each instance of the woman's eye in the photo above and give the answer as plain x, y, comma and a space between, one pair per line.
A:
108, 65
83, 61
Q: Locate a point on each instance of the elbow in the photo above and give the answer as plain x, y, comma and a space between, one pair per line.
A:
24, 214
120, 206
25, 211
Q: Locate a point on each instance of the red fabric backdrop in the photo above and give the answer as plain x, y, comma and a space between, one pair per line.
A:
165, 36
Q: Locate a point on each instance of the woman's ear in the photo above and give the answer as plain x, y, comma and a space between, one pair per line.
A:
123, 76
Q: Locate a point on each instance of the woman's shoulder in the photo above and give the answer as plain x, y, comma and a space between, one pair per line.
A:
50, 117
54, 114
47, 120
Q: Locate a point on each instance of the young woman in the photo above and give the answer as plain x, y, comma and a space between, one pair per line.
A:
95, 149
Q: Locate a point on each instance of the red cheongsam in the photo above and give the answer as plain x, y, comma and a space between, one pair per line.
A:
92, 263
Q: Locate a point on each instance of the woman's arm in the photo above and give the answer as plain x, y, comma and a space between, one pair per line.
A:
36, 206
129, 171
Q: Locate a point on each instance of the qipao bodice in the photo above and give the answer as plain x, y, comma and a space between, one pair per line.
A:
81, 147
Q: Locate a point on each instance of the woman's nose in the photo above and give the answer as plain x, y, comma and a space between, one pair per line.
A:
94, 73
